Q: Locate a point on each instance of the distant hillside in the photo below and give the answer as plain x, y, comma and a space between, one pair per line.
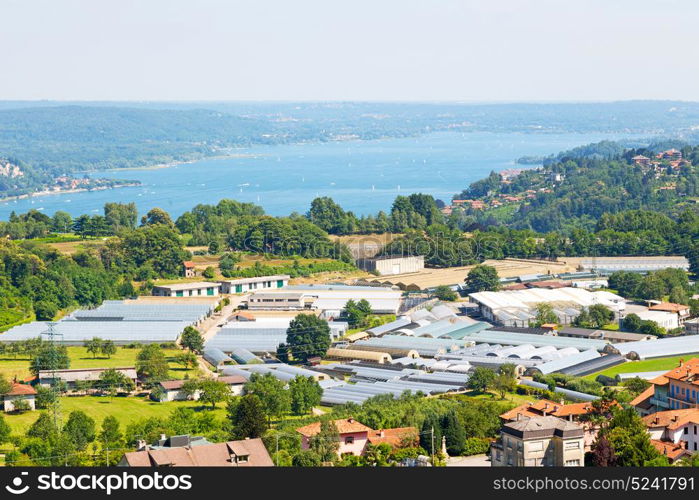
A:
576, 192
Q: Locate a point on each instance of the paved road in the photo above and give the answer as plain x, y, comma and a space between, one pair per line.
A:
472, 461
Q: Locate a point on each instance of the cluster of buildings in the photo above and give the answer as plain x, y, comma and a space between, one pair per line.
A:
670, 159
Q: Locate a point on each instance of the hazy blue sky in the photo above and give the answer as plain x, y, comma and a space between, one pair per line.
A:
354, 49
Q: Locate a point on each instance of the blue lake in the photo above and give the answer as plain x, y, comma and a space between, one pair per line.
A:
363, 176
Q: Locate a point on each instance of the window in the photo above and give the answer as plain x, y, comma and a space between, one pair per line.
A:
695, 429
572, 445
572, 463
349, 440
695, 446
536, 446
210, 291
686, 430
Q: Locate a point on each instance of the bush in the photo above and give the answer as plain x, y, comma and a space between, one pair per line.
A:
476, 446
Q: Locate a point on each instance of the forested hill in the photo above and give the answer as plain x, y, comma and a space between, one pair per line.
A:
576, 192
69, 138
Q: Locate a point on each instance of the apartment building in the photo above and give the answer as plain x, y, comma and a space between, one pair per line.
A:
539, 442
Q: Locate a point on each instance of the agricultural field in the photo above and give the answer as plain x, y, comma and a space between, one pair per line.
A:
647, 365
80, 358
125, 409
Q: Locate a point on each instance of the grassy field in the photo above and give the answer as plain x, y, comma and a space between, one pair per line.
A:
80, 358
647, 365
125, 409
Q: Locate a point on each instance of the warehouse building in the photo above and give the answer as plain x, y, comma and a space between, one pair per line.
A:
518, 307
75, 376
244, 285
393, 264
330, 299
608, 265
199, 289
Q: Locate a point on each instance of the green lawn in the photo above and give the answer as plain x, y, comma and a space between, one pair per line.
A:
647, 365
125, 409
80, 358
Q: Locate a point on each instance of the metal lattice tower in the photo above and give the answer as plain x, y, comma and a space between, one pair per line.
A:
51, 334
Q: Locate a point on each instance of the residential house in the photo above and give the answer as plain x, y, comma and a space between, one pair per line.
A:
354, 436
19, 392
676, 427
672, 451
681, 310
675, 390
539, 442
574, 412
172, 389
398, 437
181, 451
243, 285
199, 289
641, 160
189, 269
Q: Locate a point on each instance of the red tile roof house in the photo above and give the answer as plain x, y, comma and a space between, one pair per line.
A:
354, 436
189, 269
244, 453
544, 407
173, 388
681, 310
17, 392
679, 427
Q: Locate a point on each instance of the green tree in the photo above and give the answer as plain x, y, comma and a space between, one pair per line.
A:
272, 392
186, 359
307, 336
213, 391
431, 434
80, 428
306, 458
481, 379
151, 364
305, 394
504, 383
93, 346
209, 272
326, 442
157, 216
5, 430
544, 315
454, 433
247, 416
632, 322
43, 428
482, 278
443, 292
111, 380
191, 339
108, 348
45, 310
50, 357
110, 434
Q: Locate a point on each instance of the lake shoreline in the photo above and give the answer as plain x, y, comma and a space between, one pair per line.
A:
49, 192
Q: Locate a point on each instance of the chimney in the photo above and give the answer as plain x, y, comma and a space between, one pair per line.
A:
141, 445
382, 433
350, 420
163, 437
